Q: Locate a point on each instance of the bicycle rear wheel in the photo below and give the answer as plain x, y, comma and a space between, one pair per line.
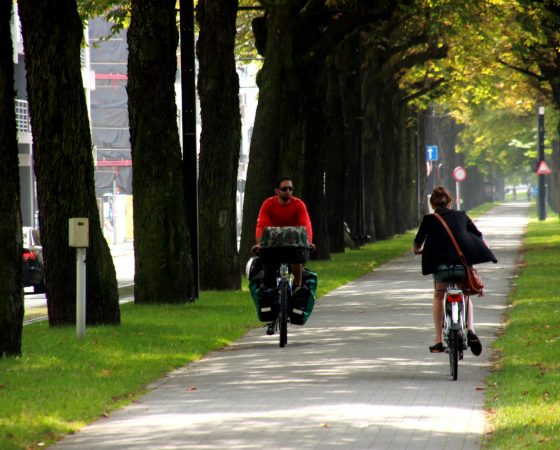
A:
283, 315
454, 353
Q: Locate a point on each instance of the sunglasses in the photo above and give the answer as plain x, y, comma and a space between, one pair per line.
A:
286, 188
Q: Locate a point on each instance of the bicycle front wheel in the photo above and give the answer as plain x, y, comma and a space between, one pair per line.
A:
454, 353
283, 315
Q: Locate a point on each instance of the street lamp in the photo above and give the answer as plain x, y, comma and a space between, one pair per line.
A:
542, 181
188, 89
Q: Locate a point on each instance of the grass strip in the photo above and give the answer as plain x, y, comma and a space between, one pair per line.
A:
62, 383
523, 399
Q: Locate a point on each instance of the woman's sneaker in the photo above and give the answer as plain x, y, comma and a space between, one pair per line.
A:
474, 343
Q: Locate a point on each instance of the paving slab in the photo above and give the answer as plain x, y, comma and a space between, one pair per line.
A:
358, 375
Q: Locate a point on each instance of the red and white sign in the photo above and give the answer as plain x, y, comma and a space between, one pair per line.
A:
543, 169
459, 174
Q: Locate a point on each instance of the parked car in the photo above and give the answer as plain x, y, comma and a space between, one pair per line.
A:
32, 239
32, 260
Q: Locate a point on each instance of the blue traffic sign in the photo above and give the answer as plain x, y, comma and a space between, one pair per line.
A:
431, 152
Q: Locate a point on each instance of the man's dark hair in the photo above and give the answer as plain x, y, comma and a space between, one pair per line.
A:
279, 181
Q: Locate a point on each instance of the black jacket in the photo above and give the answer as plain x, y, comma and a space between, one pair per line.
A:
438, 248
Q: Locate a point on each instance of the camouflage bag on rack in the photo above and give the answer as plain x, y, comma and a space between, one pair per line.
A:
284, 237
284, 245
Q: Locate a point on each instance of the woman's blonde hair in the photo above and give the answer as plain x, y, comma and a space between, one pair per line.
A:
440, 197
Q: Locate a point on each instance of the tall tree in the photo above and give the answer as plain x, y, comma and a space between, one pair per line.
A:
163, 266
297, 38
11, 298
218, 88
63, 161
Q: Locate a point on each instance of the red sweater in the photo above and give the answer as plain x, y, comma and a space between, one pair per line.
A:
292, 214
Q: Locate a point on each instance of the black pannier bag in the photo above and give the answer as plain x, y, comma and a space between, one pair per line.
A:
303, 299
263, 298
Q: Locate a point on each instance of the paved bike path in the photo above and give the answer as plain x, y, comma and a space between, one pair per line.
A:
358, 375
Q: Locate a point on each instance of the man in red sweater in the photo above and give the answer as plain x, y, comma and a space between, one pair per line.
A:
285, 210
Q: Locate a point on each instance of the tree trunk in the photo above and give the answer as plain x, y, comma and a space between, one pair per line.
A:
269, 125
163, 266
555, 176
375, 92
348, 64
315, 139
62, 156
218, 88
11, 298
334, 161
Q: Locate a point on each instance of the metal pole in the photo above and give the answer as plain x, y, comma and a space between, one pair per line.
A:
190, 166
458, 194
80, 292
542, 181
114, 218
432, 140
418, 171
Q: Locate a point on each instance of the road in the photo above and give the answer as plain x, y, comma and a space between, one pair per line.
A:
123, 258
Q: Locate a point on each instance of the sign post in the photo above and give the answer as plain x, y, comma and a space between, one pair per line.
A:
431, 153
459, 174
431, 156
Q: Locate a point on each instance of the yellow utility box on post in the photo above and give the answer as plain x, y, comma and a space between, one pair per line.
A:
78, 232
78, 237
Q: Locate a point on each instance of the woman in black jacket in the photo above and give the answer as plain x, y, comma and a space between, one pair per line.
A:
440, 258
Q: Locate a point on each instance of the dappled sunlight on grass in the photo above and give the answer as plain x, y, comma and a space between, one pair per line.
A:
63, 382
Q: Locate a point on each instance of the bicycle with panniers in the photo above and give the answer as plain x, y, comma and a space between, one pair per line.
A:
279, 305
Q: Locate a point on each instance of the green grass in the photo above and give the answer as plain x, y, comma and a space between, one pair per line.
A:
62, 383
482, 209
523, 399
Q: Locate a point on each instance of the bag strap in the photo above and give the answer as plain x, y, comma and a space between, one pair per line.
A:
452, 237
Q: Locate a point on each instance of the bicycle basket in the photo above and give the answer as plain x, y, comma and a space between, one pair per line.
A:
284, 245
